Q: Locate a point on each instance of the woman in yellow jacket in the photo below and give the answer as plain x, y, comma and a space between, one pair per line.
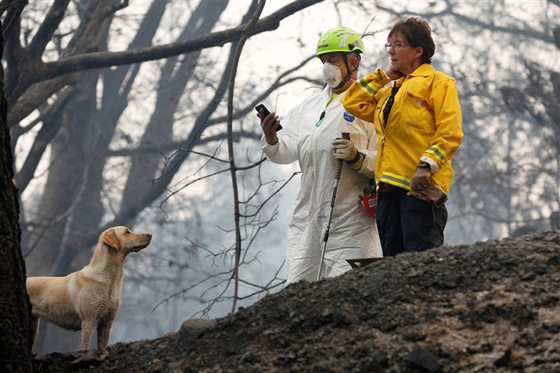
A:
418, 125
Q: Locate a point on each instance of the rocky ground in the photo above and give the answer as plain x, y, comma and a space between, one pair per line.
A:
489, 307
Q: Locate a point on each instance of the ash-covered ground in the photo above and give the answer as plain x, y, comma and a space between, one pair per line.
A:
489, 307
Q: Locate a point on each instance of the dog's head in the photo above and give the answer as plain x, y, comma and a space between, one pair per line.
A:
124, 240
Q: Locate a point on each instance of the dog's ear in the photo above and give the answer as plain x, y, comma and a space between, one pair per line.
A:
110, 239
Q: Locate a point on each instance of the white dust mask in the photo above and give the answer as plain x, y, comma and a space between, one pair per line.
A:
332, 75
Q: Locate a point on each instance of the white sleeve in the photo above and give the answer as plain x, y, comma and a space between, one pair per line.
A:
285, 151
364, 138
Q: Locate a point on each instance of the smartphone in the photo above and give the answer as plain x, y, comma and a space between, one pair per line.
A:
265, 113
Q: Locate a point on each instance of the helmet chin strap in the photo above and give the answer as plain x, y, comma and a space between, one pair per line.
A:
349, 72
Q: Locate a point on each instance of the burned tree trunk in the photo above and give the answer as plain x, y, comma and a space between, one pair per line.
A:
15, 309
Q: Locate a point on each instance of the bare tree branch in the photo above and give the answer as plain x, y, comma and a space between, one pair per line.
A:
36, 96
473, 21
14, 8
233, 168
106, 59
47, 28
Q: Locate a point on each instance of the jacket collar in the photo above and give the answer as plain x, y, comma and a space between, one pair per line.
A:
423, 70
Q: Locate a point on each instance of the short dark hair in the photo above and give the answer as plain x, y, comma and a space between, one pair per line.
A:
417, 33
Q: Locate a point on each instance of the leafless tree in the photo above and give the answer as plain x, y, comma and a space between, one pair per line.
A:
15, 312
70, 93
79, 122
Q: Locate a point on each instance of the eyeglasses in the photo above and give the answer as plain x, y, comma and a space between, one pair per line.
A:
395, 46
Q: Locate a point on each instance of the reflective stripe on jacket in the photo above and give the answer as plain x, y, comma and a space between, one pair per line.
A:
424, 123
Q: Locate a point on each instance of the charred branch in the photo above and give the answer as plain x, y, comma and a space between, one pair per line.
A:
47, 29
106, 59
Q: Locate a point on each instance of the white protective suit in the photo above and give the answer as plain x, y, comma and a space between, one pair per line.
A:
353, 233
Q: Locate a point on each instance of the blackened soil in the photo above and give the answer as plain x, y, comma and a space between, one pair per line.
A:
489, 307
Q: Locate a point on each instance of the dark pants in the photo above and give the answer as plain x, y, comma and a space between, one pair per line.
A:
407, 223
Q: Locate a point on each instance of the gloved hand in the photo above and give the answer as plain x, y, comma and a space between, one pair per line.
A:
422, 188
344, 149
430, 194
421, 179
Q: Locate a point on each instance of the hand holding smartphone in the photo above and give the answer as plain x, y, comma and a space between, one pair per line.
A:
265, 112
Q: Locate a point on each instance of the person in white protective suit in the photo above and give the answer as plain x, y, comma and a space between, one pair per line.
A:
311, 135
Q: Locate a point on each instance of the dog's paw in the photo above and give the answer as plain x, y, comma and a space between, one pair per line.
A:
90, 358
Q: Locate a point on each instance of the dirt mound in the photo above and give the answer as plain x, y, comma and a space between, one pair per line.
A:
491, 306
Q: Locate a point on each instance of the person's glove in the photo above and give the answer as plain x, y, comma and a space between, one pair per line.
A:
344, 149
422, 188
421, 179
430, 194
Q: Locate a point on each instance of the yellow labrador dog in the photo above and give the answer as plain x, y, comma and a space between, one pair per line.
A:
89, 298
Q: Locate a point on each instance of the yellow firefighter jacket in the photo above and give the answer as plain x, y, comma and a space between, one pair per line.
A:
424, 123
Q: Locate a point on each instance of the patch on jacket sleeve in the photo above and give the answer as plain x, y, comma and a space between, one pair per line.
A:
348, 117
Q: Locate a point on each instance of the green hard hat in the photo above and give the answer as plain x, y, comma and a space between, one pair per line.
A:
341, 39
